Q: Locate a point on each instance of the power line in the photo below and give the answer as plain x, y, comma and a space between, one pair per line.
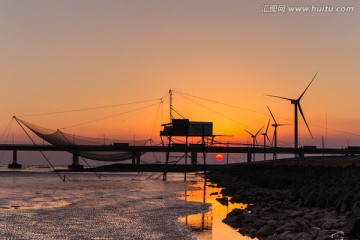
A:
222, 115
248, 110
87, 109
112, 116
217, 102
156, 117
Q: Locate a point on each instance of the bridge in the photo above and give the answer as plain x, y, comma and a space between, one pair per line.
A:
194, 149
201, 132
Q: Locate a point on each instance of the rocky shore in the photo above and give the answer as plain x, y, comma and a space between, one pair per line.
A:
293, 202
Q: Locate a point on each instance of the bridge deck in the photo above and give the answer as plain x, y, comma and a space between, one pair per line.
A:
207, 149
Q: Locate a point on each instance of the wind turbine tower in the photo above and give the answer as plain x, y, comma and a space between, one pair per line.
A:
266, 137
297, 107
275, 125
253, 136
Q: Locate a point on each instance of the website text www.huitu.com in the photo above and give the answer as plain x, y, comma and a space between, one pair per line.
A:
279, 8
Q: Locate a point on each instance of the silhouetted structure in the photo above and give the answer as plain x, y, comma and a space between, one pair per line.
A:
275, 125
297, 106
255, 143
266, 137
185, 128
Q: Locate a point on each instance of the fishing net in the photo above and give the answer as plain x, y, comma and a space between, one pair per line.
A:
60, 138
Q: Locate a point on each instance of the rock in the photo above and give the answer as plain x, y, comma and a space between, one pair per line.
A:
297, 214
301, 225
289, 227
224, 201
343, 207
297, 202
234, 218
284, 236
236, 199
352, 226
324, 235
321, 201
314, 234
259, 223
338, 235
311, 199
330, 201
301, 235
355, 206
310, 216
327, 225
264, 231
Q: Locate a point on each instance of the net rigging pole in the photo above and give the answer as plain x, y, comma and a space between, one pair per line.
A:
171, 108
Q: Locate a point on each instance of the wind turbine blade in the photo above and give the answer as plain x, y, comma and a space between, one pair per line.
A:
259, 131
268, 139
280, 97
267, 127
307, 87
249, 133
302, 114
272, 115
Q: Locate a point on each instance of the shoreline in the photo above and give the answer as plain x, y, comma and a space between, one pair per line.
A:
293, 201
309, 198
39, 205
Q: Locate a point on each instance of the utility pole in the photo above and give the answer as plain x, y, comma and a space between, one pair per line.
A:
171, 115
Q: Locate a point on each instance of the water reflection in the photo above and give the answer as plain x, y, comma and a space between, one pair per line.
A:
209, 225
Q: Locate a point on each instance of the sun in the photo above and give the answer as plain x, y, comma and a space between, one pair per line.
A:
219, 157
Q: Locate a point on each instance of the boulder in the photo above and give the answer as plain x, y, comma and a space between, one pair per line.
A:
234, 218
352, 226
297, 214
265, 231
224, 201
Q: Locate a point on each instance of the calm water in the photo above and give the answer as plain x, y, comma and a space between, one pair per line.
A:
209, 225
38, 205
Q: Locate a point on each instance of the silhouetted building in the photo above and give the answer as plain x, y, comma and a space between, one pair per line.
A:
183, 127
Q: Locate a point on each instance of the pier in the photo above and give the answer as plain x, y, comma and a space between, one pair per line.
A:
194, 150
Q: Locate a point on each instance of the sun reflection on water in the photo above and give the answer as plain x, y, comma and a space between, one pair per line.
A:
209, 225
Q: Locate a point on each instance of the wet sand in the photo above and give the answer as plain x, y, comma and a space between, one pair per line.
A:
38, 205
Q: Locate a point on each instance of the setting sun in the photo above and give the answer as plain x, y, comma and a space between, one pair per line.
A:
219, 157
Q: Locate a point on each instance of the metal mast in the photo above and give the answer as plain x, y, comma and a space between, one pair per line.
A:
171, 108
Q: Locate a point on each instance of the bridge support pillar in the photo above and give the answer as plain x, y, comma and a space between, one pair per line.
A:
14, 164
249, 154
135, 158
193, 158
76, 163
138, 159
167, 159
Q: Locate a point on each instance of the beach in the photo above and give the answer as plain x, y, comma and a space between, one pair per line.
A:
39, 205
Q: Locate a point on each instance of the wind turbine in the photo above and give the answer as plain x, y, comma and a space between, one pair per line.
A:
297, 106
253, 136
275, 125
266, 137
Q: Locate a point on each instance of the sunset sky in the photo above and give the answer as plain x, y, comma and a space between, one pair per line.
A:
65, 55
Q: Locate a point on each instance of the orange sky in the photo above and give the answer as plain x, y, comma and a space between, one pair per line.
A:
63, 55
